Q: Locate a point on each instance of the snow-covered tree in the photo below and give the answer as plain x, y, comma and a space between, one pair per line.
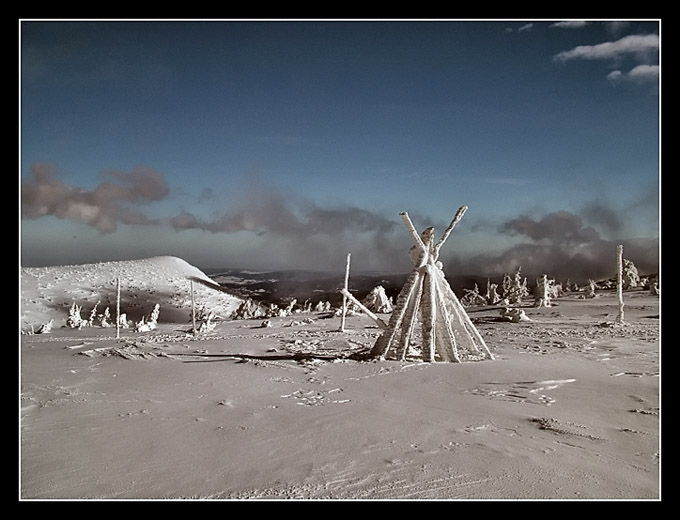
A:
93, 315
74, 320
514, 288
377, 301
149, 323
472, 297
631, 278
204, 320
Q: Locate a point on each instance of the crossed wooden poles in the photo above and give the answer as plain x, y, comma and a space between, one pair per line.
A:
446, 328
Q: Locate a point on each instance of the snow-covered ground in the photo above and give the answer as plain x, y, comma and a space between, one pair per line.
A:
568, 409
47, 293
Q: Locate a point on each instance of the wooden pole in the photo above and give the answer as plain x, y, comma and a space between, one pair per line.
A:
361, 306
446, 338
413, 284
456, 218
619, 282
414, 233
410, 319
462, 317
117, 308
344, 296
429, 307
193, 309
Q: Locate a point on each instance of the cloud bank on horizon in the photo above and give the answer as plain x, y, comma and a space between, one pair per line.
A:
285, 228
299, 233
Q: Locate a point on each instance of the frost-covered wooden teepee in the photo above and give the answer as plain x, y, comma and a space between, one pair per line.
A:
448, 334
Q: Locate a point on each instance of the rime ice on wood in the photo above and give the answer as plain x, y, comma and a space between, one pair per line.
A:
350, 297
118, 316
193, 308
344, 298
448, 333
619, 284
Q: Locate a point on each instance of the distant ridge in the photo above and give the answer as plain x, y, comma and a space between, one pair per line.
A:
48, 292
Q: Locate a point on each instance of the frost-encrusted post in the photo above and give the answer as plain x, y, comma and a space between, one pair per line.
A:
193, 309
363, 308
446, 328
619, 283
344, 296
117, 308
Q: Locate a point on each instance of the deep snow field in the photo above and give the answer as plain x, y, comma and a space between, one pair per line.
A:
568, 409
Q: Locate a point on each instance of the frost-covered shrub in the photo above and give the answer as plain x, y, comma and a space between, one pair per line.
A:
149, 323
74, 320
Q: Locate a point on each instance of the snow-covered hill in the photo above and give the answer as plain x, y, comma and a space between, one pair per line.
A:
47, 293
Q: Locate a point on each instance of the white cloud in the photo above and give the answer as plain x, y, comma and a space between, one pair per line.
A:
638, 45
642, 48
523, 28
639, 75
645, 73
575, 24
616, 28
615, 76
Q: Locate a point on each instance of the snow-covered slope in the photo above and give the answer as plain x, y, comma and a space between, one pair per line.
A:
47, 293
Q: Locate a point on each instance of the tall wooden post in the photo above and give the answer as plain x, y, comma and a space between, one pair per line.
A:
117, 308
193, 309
619, 282
344, 297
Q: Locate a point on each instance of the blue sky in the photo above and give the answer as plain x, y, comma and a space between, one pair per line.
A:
286, 144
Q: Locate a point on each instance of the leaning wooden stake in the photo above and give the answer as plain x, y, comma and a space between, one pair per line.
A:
349, 296
619, 283
344, 297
